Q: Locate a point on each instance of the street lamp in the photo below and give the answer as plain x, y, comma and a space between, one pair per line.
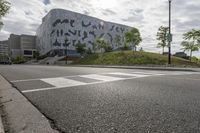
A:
169, 36
66, 45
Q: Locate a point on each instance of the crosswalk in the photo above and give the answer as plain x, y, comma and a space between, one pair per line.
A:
88, 79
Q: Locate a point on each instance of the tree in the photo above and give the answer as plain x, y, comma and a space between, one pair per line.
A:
4, 8
81, 48
190, 46
193, 43
141, 49
117, 40
162, 37
133, 37
36, 54
100, 44
89, 51
193, 35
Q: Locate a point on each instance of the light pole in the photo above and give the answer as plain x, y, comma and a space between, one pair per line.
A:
66, 45
169, 36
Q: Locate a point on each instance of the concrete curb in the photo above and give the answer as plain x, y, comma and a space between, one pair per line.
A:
21, 115
143, 68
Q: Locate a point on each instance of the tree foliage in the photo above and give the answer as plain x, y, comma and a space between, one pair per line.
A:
193, 35
162, 37
133, 37
118, 40
101, 44
193, 41
190, 46
81, 48
4, 8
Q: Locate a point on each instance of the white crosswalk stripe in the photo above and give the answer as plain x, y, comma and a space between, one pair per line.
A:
129, 74
62, 82
101, 77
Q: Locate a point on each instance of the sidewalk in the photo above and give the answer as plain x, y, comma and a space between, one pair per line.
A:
162, 68
20, 114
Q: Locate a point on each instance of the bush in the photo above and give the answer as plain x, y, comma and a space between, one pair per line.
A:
108, 48
19, 60
89, 51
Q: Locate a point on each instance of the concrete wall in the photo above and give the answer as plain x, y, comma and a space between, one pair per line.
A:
60, 24
4, 47
28, 42
20, 45
14, 41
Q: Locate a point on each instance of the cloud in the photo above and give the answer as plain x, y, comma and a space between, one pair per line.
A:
107, 12
26, 15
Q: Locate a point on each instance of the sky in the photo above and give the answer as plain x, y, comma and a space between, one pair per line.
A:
147, 15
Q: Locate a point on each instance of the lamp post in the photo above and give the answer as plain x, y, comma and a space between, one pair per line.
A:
66, 45
169, 36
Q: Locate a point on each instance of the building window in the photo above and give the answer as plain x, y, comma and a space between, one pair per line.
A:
57, 33
27, 52
61, 32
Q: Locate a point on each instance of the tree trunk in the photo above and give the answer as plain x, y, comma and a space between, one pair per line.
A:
190, 55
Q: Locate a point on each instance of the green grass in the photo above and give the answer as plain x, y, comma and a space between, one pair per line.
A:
132, 58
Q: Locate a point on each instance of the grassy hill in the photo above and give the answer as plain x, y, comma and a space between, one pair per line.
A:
132, 58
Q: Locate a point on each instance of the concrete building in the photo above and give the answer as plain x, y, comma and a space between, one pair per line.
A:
21, 45
60, 25
4, 47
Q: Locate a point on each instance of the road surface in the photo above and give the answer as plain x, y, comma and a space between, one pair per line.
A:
106, 100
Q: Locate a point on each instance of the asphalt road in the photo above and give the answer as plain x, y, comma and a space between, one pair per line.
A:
106, 100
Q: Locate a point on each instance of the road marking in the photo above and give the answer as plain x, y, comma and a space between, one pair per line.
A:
24, 80
129, 74
149, 73
145, 73
54, 88
101, 77
62, 82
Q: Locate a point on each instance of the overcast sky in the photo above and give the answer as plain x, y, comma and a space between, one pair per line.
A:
146, 15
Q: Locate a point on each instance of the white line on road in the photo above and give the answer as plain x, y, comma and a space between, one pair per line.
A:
101, 77
62, 82
54, 88
129, 74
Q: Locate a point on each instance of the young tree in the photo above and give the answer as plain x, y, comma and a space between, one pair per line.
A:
193, 35
133, 37
190, 46
162, 37
117, 40
81, 48
141, 49
4, 8
193, 43
100, 44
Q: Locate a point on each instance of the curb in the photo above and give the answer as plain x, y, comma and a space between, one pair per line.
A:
143, 68
21, 115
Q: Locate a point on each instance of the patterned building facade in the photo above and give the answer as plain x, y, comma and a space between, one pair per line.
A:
60, 25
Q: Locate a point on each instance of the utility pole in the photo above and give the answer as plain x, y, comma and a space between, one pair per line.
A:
169, 36
66, 45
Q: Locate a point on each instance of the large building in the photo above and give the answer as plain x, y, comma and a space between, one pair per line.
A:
21, 45
60, 25
4, 47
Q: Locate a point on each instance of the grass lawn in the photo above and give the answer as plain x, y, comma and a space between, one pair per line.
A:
132, 58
